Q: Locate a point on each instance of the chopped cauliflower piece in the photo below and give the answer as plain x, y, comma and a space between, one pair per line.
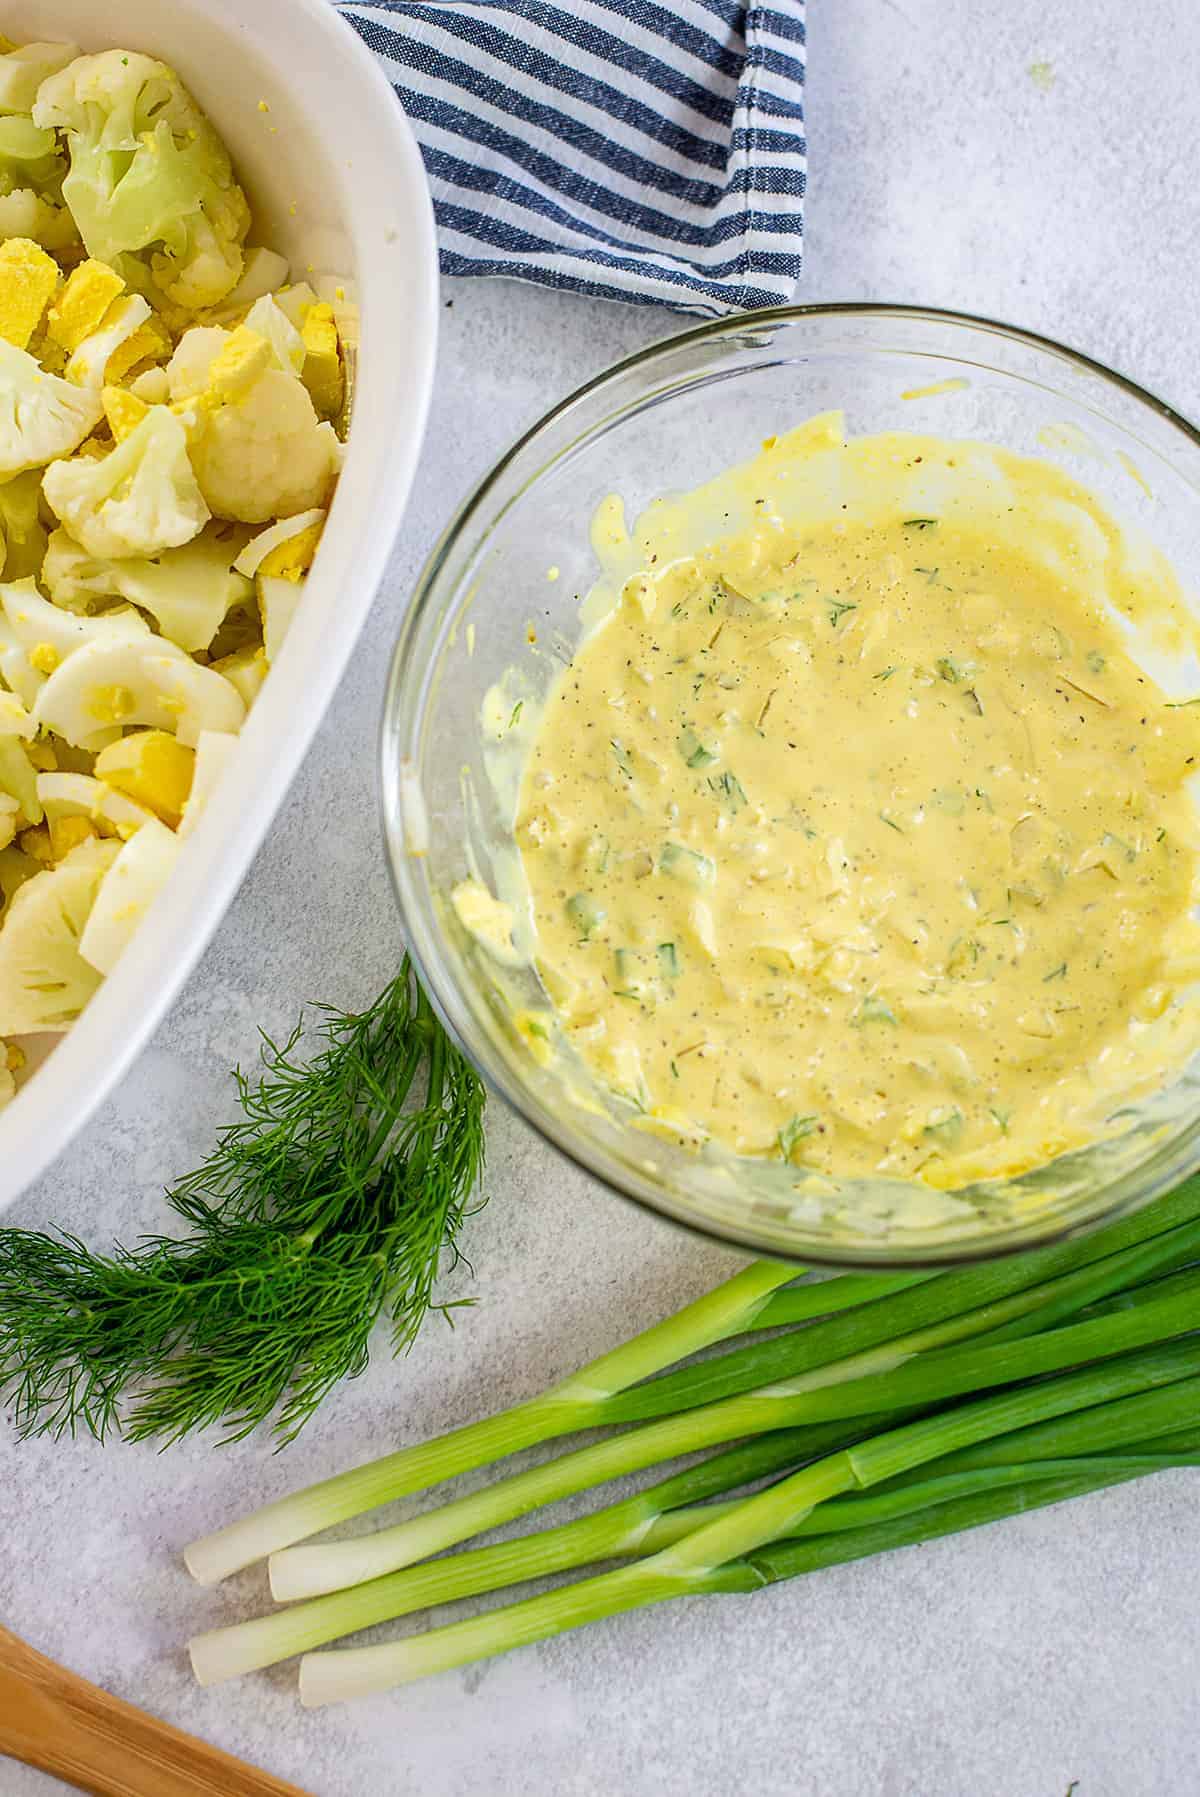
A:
188, 591
266, 455
139, 499
322, 367
44, 981
24, 213
148, 172
262, 271
22, 535
145, 682
18, 778
152, 768
23, 69
126, 892
88, 363
214, 751
82, 305
50, 634
285, 549
28, 278
41, 416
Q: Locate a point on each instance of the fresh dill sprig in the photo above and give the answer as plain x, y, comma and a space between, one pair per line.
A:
330, 1203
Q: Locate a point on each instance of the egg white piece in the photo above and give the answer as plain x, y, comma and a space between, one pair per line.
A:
128, 889
148, 681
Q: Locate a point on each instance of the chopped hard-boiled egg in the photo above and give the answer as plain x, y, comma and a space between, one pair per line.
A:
153, 768
215, 750
322, 369
126, 683
28, 278
129, 887
81, 306
113, 812
278, 602
285, 549
89, 360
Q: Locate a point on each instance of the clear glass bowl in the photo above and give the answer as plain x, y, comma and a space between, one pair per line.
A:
667, 419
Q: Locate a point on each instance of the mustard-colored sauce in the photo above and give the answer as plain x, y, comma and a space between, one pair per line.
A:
857, 837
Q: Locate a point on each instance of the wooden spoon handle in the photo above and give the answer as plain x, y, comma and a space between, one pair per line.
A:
51, 1719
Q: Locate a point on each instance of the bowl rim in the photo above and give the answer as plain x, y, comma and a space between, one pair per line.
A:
445, 995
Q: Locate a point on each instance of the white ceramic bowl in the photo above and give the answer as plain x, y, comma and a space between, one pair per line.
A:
336, 184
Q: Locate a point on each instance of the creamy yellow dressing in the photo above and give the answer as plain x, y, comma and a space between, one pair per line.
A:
855, 836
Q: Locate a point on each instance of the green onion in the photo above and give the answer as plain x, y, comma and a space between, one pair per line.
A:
585, 914
897, 1376
916, 1398
687, 864
695, 752
620, 1387
668, 960
751, 1543
565, 1407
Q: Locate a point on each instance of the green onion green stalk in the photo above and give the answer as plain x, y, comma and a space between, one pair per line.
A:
883, 1410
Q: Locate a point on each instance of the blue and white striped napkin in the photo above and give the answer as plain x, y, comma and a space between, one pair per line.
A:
642, 150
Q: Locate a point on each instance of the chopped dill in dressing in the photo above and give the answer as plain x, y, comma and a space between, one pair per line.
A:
898, 860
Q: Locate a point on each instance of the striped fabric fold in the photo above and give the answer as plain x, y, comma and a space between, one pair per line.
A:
643, 150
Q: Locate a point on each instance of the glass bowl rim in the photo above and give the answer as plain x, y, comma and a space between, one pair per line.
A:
421, 947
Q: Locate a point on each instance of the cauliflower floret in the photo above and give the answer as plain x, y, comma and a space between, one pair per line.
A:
188, 591
18, 776
148, 172
29, 158
44, 981
266, 455
22, 71
262, 272
41, 417
31, 167
24, 213
139, 499
22, 537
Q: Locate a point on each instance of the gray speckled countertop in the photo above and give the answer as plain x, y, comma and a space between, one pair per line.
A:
1060, 1648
